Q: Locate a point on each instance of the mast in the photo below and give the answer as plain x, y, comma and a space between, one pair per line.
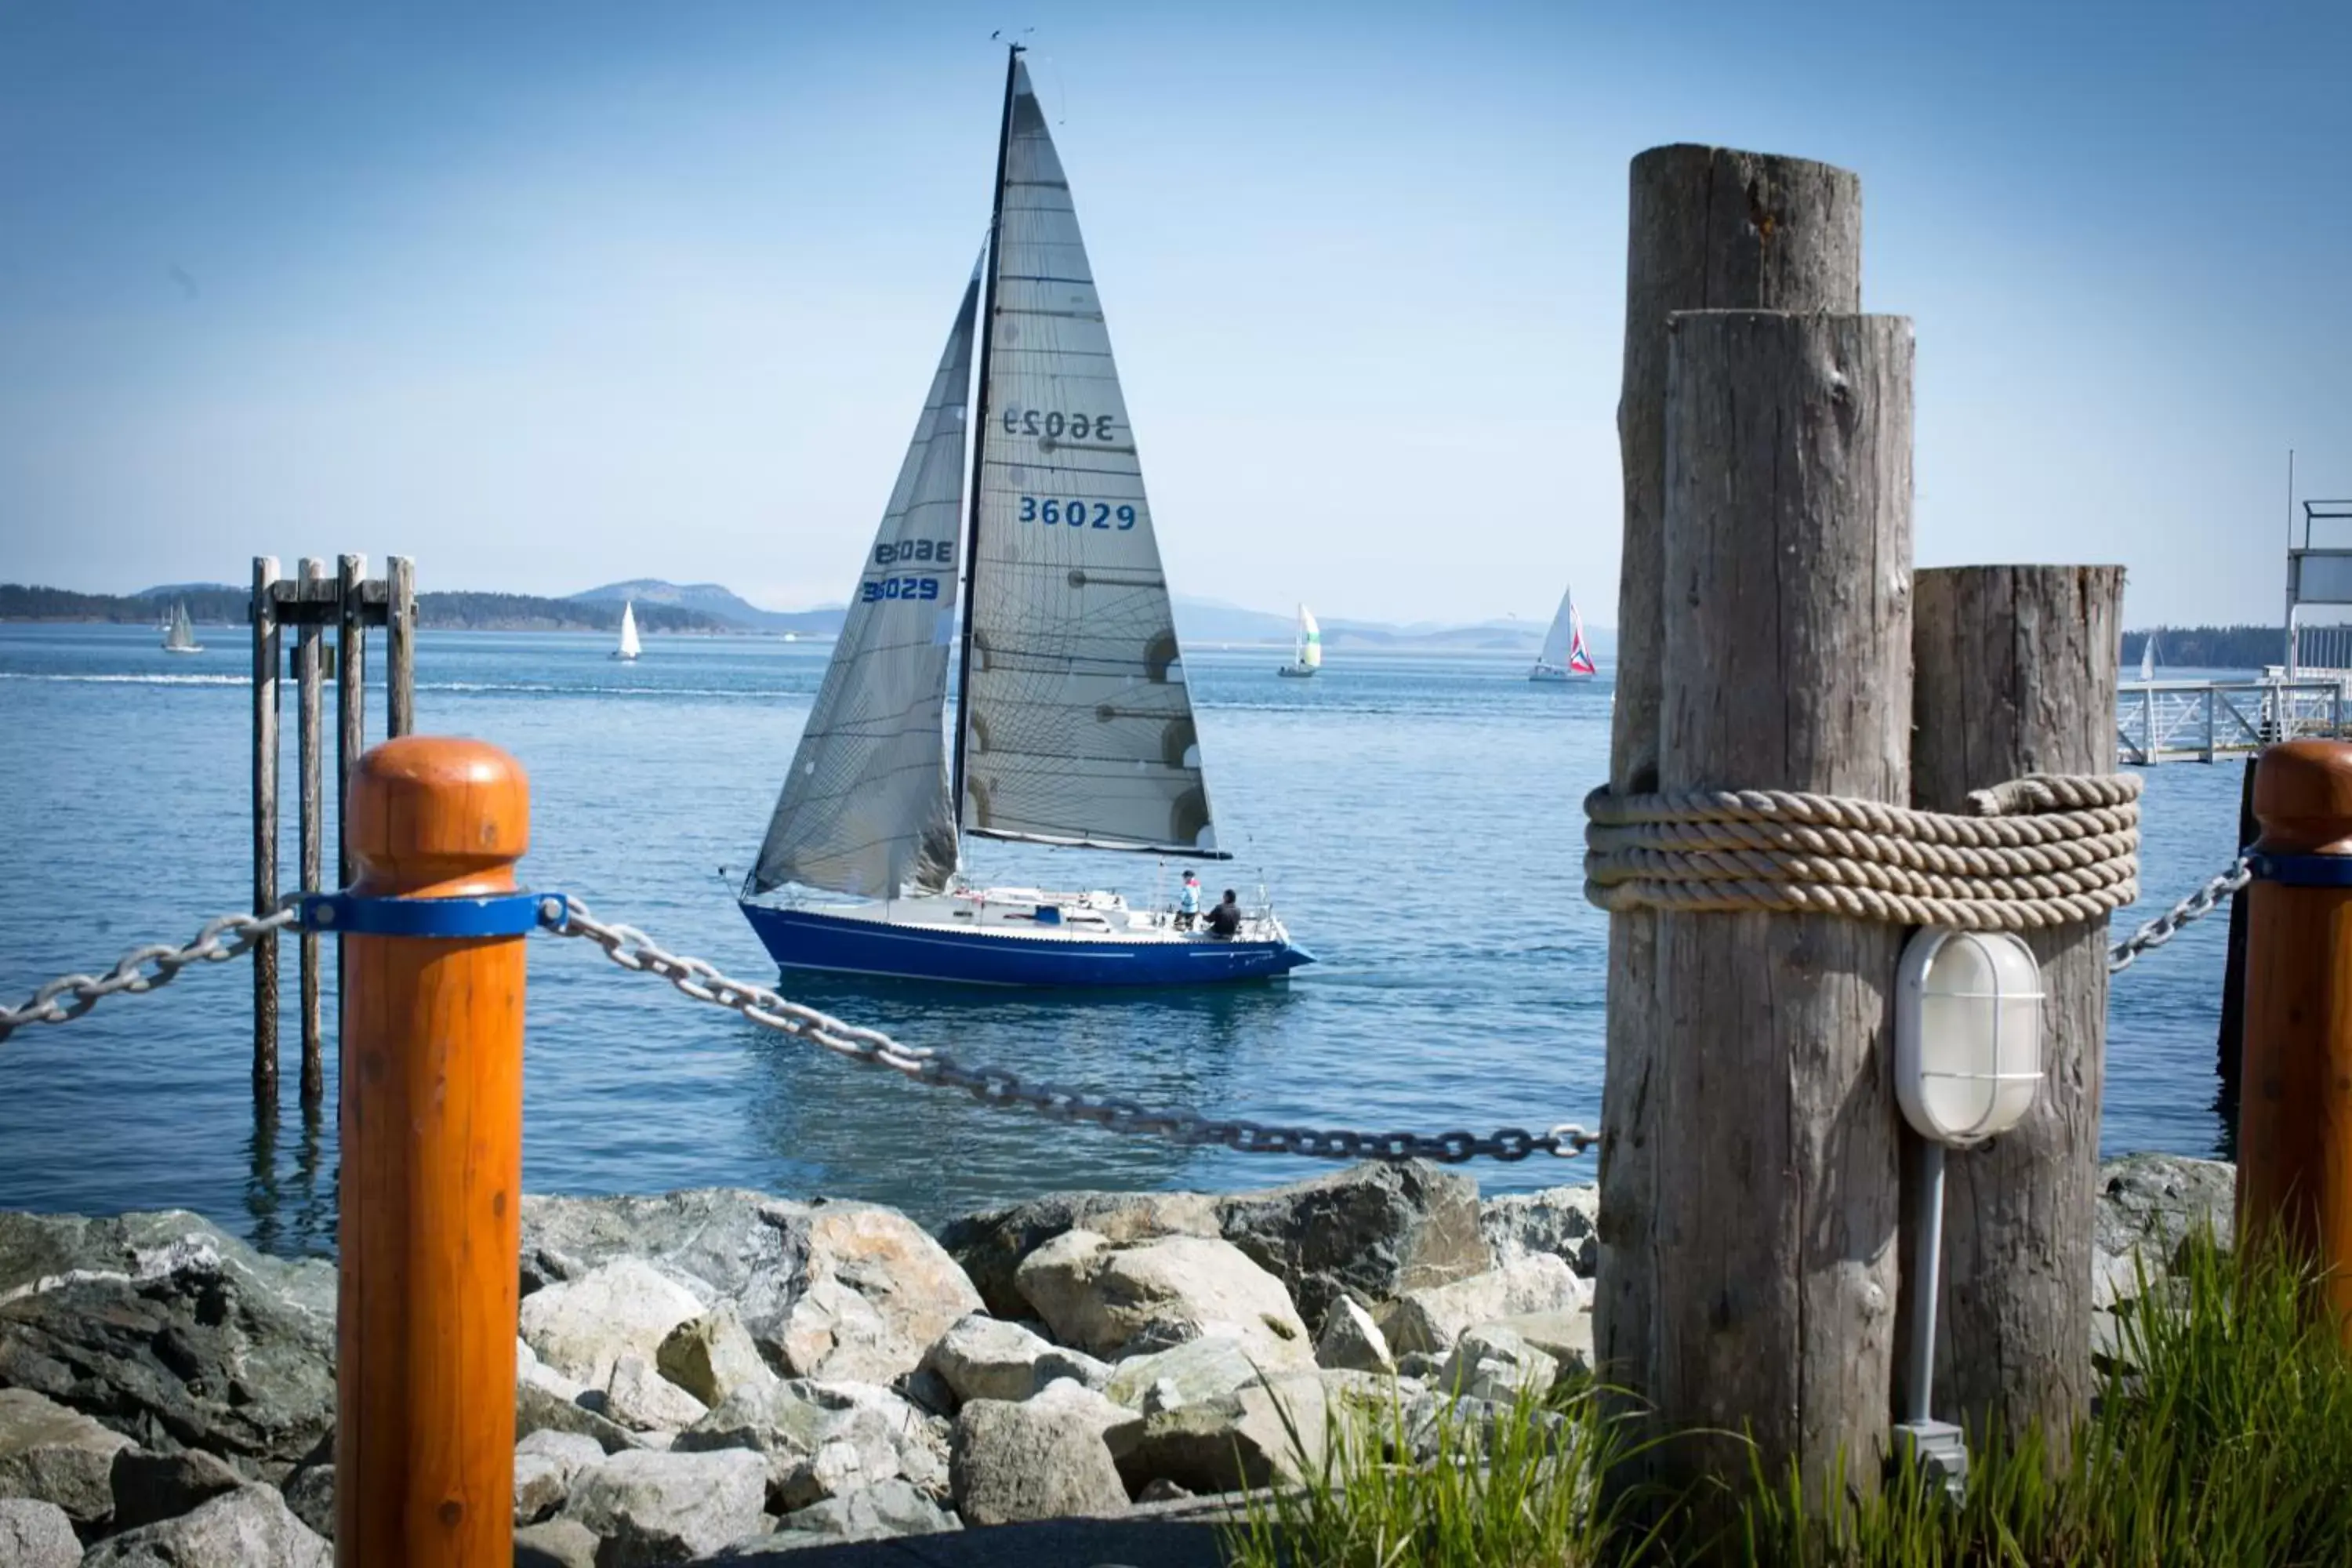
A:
987, 327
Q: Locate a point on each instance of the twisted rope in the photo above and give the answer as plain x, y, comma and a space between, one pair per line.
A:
2046, 850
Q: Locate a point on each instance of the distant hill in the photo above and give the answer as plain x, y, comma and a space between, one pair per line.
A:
185, 590
208, 604
719, 603
2207, 647
217, 604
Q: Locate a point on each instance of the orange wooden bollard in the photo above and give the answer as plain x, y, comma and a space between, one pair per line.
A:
2294, 1113
432, 1167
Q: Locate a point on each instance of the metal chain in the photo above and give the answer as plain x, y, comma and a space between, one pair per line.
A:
143, 968
2187, 911
999, 1087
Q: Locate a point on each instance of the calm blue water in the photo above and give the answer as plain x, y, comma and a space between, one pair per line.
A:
1416, 820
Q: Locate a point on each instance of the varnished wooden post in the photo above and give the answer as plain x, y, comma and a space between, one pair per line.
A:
400, 645
2295, 1109
311, 787
432, 1138
2016, 670
1708, 227
265, 822
1787, 664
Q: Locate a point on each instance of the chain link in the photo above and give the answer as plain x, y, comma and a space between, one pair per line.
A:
633, 949
2187, 911
144, 968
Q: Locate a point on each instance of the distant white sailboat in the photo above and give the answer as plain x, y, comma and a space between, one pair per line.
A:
2147, 658
179, 636
1564, 655
628, 648
1309, 657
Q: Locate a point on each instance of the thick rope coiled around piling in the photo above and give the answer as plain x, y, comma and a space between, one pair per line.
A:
2046, 850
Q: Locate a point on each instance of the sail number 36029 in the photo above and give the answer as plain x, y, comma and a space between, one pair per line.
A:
1075, 513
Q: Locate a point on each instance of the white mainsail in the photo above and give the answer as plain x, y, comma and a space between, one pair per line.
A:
629, 648
179, 634
866, 810
2147, 658
1558, 641
1078, 727
1310, 641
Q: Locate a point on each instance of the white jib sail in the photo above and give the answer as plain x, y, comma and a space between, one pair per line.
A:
1562, 635
865, 809
1310, 641
1078, 728
629, 648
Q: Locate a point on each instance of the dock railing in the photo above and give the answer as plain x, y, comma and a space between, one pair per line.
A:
2201, 720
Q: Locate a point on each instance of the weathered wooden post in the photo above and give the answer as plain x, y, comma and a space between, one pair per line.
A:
1708, 229
400, 645
2015, 674
2295, 1108
264, 615
350, 730
432, 1135
1786, 664
307, 665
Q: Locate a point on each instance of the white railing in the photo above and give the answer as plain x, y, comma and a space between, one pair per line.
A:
2177, 721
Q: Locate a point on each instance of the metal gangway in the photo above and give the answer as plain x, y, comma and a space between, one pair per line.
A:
2201, 720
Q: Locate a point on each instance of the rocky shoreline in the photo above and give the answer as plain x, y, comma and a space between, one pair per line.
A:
727, 1376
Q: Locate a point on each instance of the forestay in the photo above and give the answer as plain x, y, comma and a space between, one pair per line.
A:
1078, 728
866, 808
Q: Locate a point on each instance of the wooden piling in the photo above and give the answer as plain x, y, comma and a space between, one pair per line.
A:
431, 1129
309, 703
264, 615
1786, 664
2294, 1111
400, 645
351, 728
1709, 227
2230, 1041
2015, 671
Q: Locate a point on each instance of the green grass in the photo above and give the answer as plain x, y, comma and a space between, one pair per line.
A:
2221, 1438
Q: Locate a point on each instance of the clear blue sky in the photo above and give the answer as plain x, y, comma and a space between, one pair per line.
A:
547, 295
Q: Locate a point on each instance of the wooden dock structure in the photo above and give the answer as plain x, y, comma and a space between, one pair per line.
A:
2201, 721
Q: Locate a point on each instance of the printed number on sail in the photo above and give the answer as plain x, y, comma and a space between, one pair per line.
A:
1055, 425
1074, 513
900, 588
938, 552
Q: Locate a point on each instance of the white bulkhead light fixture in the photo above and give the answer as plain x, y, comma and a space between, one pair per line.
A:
1967, 1033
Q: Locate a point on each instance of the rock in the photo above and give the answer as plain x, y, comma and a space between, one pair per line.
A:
712, 1356
855, 1449
1011, 1462
1195, 1371
791, 1424
764, 1256
1159, 1488
1239, 1440
777, 1418
1433, 1320
582, 1328
556, 1543
1558, 1220
1377, 1229
1122, 1301
887, 1508
1374, 1230
643, 1400
172, 1332
986, 1358
1566, 1337
1419, 1365
546, 1464
1351, 1341
2148, 1206
1490, 1361
653, 1507
309, 1492
571, 1452
148, 1487
36, 1534
241, 1529
541, 1408
55, 1455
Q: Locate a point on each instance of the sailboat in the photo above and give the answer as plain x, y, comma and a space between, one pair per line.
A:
1309, 657
2147, 658
1073, 723
1564, 655
629, 647
179, 635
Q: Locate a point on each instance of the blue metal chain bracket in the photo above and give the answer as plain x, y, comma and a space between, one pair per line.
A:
500, 914
2302, 871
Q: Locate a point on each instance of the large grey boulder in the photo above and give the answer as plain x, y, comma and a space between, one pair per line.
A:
545, 1464
172, 1332
2148, 1206
1566, 1337
1562, 1221
1188, 1373
981, 1357
1351, 1341
555, 1543
55, 1454
148, 1487
35, 1534
643, 1400
1117, 1301
819, 1438
1376, 1228
243, 1528
654, 1507
713, 1355
1014, 1461
1257, 1435
539, 1407
582, 1328
309, 1492
825, 1290
887, 1508
1493, 1362
855, 1449
1430, 1320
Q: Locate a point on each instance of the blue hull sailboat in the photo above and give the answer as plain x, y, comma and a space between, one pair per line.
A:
1073, 723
